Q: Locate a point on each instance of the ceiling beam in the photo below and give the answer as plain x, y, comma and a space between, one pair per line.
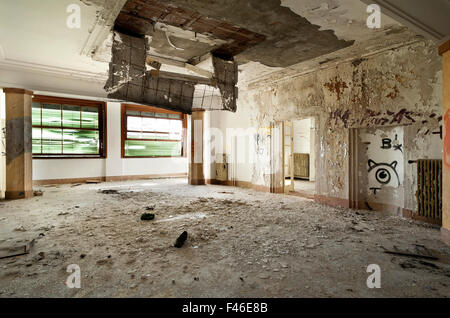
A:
172, 62
197, 60
184, 77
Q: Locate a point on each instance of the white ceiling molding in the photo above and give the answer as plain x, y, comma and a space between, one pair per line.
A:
102, 27
428, 18
14, 65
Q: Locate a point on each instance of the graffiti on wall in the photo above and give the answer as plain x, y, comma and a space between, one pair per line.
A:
388, 143
384, 173
384, 159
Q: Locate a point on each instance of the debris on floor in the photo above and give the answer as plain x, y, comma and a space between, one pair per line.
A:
23, 250
417, 254
181, 239
109, 191
147, 217
20, 229
38, 193
273, 242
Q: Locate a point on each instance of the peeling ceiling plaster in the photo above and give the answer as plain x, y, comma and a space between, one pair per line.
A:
347, 18
42, 24
261, 31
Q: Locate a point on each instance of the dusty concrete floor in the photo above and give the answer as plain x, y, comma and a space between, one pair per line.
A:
241, 243
304, 186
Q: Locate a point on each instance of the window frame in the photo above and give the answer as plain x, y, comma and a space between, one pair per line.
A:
152, 109
102, 126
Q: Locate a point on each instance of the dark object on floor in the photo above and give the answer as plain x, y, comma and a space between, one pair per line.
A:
38, 193
25, 250
109, 191
181, 239
93, 181
147, 217
150, 208
401, 253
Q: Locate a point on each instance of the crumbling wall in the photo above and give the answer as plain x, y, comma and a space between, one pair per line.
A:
397, 87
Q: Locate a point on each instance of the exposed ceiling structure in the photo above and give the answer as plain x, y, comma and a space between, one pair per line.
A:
253, 30
228, 30
299, 36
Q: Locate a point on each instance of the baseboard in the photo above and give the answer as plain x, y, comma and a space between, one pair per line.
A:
144, 177
413, 215
336, 202
109, 179
302, 194
239, 184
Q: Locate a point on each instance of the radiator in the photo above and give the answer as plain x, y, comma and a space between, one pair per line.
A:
301, 165
429, 188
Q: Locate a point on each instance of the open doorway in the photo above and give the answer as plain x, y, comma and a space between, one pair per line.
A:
299, 156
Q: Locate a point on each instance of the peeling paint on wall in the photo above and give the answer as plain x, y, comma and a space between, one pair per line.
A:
398, 87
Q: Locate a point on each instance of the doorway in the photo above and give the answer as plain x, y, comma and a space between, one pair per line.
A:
299, 156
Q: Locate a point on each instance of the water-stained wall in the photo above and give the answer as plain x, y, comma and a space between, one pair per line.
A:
397, 87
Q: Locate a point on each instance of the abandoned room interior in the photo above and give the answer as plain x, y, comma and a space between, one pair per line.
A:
227, 148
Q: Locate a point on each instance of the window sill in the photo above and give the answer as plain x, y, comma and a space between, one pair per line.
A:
66, 157
152, 157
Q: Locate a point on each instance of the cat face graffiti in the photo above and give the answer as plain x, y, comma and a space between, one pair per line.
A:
383, 174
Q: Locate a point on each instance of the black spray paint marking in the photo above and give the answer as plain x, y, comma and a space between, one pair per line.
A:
386, 143
384, 171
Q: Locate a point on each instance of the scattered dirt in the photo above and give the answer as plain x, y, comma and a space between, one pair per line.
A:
249, 244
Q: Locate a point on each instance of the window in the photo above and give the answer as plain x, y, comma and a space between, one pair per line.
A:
152, 132
68, 128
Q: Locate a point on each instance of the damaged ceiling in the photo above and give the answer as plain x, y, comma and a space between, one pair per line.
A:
232, 32
251, 30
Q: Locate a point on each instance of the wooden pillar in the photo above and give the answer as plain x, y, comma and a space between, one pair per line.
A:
196, 169
444, 51
19, 178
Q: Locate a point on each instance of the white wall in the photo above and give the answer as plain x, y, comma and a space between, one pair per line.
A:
2, 148
384, 167
237, 141
113, 165
304, 142
302, 136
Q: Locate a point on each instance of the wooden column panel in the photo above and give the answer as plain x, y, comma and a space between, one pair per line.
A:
19, 157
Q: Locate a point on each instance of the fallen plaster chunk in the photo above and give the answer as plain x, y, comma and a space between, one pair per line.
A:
190, 216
